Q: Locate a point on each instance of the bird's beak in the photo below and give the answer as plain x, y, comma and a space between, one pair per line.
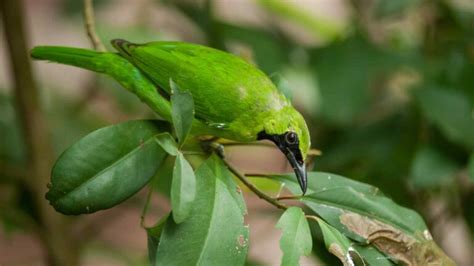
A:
293, 154
299, 168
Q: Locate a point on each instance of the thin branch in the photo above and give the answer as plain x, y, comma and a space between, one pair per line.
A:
260, 175
291, 197
60, 246
89, 22
253, 188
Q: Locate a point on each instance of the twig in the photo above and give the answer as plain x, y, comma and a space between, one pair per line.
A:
292, 197
89, 23
257, 175
253, 188
60, 246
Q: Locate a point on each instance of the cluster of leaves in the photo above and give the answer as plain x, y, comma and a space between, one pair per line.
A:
413, 141
206, 222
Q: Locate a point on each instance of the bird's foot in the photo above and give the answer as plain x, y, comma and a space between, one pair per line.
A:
213, 146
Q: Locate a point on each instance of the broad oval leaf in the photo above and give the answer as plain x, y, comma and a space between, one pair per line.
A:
364, 214
182, 111
183, 189
106, 167
296, 237
214, 233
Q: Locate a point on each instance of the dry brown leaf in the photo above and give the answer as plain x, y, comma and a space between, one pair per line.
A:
402, 247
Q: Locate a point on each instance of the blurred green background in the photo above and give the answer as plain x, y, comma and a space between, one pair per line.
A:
387, 88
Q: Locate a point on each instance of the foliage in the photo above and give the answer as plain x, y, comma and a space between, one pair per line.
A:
362, 213
391, 106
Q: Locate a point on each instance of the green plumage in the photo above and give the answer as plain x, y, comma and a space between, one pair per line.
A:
233, 99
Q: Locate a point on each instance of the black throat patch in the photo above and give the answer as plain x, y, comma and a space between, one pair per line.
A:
281, 142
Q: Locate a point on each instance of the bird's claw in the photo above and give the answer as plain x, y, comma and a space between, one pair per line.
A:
213, 146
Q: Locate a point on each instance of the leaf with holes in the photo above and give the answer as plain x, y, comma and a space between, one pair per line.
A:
214, 233
362, 213
296, 237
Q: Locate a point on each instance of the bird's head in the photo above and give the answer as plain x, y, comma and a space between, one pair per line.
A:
288, 130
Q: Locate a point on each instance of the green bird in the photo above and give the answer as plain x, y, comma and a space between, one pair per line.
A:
233, 99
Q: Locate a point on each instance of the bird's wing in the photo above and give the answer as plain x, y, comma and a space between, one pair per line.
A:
225, 88
163, 61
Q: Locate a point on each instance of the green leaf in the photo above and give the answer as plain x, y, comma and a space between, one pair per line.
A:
214, 233
373, 256
432, 168
106, 167
339, 245
450, 111
183, 189
168, 144
153, 238
361, 212
471, 167
182, 111
296, 237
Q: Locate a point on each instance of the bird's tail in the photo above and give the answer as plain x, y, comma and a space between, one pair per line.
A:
111, 64
78, 57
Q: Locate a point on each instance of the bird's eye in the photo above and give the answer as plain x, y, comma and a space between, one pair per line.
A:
290, 138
